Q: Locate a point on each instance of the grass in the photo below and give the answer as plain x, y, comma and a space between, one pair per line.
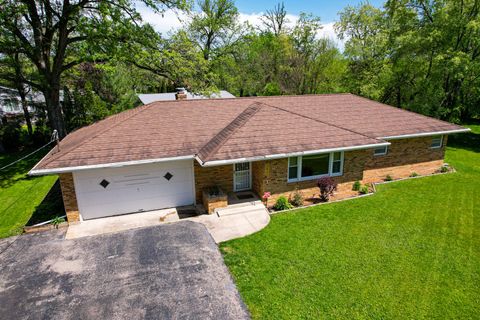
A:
411, 251
22, 198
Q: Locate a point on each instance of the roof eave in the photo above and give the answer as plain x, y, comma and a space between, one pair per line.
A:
40, 172
286, 155
425, 134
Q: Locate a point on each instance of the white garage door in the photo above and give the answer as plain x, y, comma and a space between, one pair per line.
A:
114, 191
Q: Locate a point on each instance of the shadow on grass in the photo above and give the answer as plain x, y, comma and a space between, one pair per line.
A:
469, 140
50, 207
18, 171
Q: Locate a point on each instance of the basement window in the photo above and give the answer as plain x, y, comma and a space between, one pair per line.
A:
380, 151
437, 142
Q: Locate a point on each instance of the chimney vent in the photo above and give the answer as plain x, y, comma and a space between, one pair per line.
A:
181, 94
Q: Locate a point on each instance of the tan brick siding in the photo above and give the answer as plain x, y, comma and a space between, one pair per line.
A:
404, 157
276, 182
205, 177
69, 197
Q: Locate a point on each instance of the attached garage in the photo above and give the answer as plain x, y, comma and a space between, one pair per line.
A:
135, 188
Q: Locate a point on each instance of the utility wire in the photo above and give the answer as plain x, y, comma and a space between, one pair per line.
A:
52, 139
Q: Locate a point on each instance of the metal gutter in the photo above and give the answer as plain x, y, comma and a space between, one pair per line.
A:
425, 134
286, 155
37, 172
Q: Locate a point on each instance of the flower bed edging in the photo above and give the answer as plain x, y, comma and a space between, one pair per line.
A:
363, 195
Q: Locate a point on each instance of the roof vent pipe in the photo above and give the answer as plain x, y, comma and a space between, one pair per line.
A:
181, 94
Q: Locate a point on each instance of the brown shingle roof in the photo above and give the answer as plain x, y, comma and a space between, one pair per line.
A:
224, 129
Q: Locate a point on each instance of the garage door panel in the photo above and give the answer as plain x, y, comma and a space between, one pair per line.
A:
134, 188
98, 209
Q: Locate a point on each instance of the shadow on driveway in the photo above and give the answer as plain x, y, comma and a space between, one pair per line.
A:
162, 272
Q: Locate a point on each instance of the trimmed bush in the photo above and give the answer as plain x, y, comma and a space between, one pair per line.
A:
282, 204
327, 186
444, 169
388, 178
363, 190
356, 186
297, 199
413, 175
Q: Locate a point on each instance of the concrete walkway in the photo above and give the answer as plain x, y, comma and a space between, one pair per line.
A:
121, 223
235, 221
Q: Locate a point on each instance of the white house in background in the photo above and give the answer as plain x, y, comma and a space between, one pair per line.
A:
11, 104
154, 97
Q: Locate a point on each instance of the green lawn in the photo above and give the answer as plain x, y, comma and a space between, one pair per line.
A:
411, 251
22, 196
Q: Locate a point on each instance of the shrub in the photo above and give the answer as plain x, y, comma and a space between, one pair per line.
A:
356, 186
327, 186
388, 178
282, 204
57, 221
363, 190
444, 169
297, 199
413, 174
10, 133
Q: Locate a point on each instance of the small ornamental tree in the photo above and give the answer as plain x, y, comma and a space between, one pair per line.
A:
327, 186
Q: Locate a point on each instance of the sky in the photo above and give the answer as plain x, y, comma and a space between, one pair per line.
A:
251, 11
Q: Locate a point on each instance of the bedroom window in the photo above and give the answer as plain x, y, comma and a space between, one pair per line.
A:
380, 151
314, 166
436, 142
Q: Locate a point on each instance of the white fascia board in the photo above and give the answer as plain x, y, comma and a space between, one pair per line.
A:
287, 155
425, 134
38, 172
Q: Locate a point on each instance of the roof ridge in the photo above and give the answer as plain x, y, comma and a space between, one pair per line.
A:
223, 135
255, 97
145, 107
324, 122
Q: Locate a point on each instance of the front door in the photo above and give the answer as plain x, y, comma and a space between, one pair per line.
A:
241, 176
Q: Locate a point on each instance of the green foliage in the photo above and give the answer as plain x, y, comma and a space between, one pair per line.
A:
388, 178
413, 174
363, 190
10, 133
444, 169
282, 204
423, 57
57, 221
297, 198
356, 186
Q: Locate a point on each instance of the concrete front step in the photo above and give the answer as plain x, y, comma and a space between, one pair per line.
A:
231, 210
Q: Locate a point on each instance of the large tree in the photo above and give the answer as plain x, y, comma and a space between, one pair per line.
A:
415, 54
215, 27
58, 35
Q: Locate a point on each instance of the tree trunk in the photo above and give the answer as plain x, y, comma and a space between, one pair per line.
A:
26, 114
54, 111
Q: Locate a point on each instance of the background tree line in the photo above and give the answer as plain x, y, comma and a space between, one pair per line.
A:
95, 56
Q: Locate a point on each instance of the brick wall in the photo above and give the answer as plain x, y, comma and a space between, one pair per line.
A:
205, 177
274, 177
404, 157
69, 197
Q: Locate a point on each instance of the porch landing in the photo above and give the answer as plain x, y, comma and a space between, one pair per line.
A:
235, 221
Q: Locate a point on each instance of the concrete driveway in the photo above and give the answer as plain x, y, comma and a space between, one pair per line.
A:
172, 271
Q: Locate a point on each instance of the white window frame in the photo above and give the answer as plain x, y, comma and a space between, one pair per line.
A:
441, 142
330, 168
380, 154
